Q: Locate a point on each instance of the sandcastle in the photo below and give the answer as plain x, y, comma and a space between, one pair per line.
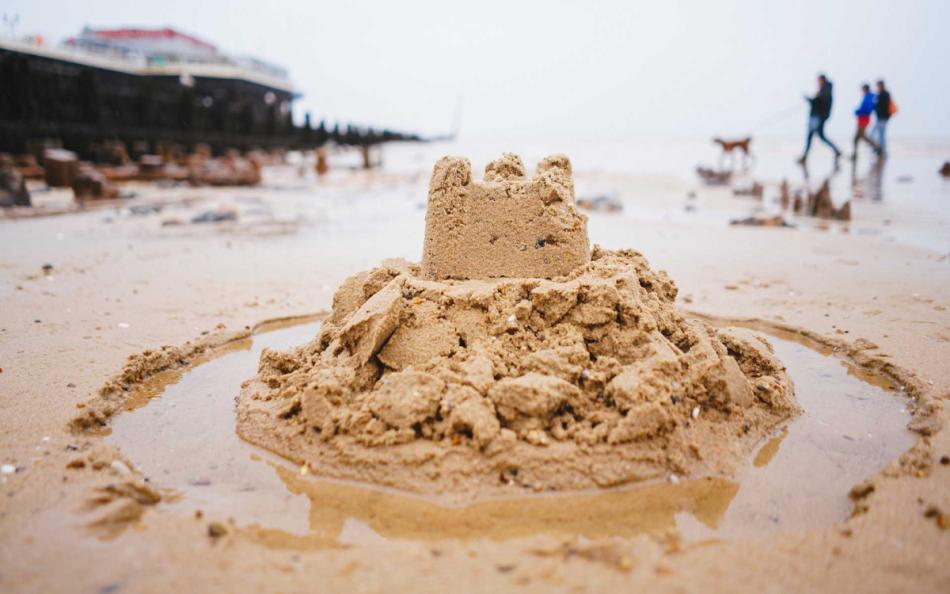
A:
514, 357
507, 226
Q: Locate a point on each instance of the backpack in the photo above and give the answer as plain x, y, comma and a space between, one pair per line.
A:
892, 108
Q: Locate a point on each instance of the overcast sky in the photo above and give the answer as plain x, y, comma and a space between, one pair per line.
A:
584, 69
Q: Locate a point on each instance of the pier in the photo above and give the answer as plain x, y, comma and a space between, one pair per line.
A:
153, 90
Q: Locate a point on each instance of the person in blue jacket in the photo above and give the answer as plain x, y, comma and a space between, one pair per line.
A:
863, 113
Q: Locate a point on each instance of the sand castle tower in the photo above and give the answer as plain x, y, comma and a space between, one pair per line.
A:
505, 226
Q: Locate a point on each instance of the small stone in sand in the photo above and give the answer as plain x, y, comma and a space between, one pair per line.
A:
216, 530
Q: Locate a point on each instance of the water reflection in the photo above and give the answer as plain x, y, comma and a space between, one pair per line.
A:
869, 185
343, 514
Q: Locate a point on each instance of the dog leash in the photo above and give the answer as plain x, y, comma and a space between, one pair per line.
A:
777, 117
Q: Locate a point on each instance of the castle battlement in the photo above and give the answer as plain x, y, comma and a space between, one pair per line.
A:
507, 225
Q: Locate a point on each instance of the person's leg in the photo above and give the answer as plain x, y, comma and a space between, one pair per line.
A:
881, 128
862, 135
821, 135
812, 126
875, 144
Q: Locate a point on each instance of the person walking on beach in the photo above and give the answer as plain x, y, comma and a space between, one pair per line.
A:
818, 115
863, 113
884, 108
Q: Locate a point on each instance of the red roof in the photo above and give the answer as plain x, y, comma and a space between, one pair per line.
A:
166, 33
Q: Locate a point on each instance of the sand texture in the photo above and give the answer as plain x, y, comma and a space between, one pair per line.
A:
592, 379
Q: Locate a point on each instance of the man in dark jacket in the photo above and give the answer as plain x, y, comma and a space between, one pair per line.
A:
819, 114
883, 111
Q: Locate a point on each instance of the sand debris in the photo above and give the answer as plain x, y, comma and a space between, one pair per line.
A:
600, 203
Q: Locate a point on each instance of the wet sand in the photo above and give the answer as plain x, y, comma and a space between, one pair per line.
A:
124, 283
181, 436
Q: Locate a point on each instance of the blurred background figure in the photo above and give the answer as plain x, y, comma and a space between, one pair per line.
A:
884, 108
863, 113
818, 115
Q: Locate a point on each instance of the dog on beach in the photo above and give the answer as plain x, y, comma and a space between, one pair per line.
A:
730, 147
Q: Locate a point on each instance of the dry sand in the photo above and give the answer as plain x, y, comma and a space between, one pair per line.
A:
130, 285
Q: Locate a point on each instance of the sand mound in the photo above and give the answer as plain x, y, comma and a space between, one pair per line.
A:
587, 378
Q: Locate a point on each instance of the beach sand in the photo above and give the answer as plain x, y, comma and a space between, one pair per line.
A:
876, 290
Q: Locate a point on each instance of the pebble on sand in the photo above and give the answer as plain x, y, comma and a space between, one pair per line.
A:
216, 530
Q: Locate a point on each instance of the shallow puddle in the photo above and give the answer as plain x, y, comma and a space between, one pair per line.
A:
182, 437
